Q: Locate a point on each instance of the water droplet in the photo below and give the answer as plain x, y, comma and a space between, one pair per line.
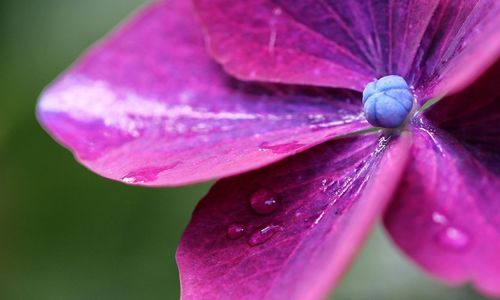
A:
148, 174
453, 239
280, 148
439, 218
264, 202
326, 184
132, 180
264, 234
315, 219
277, 11
319, 218
314, 119
235, 231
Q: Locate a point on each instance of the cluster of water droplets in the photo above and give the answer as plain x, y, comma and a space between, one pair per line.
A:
449, 237
351, 182
263, 202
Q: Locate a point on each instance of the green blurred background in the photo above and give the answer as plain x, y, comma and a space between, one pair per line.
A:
66, 233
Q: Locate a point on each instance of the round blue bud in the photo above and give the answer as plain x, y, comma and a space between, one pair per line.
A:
387, 101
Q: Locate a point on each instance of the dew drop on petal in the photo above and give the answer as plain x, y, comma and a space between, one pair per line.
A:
264, 202
315, 119
264, 234
147, 174
280, 148
439, 218
132, 180
452, 238
326, 184
235, 231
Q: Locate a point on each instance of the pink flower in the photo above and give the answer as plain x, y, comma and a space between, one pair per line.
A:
277, 97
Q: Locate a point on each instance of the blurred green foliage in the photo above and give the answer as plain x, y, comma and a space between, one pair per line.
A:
66, 233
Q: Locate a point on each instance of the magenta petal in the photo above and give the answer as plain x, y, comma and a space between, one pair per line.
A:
332, 43
438, 46
461, 42
446, 215
270, 41
473, 115
328, 199
148, 106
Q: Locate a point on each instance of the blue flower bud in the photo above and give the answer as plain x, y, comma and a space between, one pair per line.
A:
387, 101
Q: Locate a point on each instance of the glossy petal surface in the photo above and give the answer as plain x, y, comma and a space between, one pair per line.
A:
148, 106
349, 43
461, 42
329, 197
447, 212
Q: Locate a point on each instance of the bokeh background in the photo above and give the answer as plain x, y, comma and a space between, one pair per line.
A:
66, 233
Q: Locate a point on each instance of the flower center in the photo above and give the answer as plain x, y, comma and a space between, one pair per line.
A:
387, 101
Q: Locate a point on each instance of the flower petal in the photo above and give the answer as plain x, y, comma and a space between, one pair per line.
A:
473, 114
331, 43
446, 215
349, 43
461, 42
324, 202
148, 106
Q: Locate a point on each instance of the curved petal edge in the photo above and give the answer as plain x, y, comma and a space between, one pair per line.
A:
289, 231
148, 106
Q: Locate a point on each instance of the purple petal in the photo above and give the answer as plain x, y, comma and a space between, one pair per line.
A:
328, 198
148, 106
332, 43
473, 115
446, 215
348, 43
461, 42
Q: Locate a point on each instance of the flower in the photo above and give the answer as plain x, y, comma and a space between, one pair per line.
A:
278, 101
